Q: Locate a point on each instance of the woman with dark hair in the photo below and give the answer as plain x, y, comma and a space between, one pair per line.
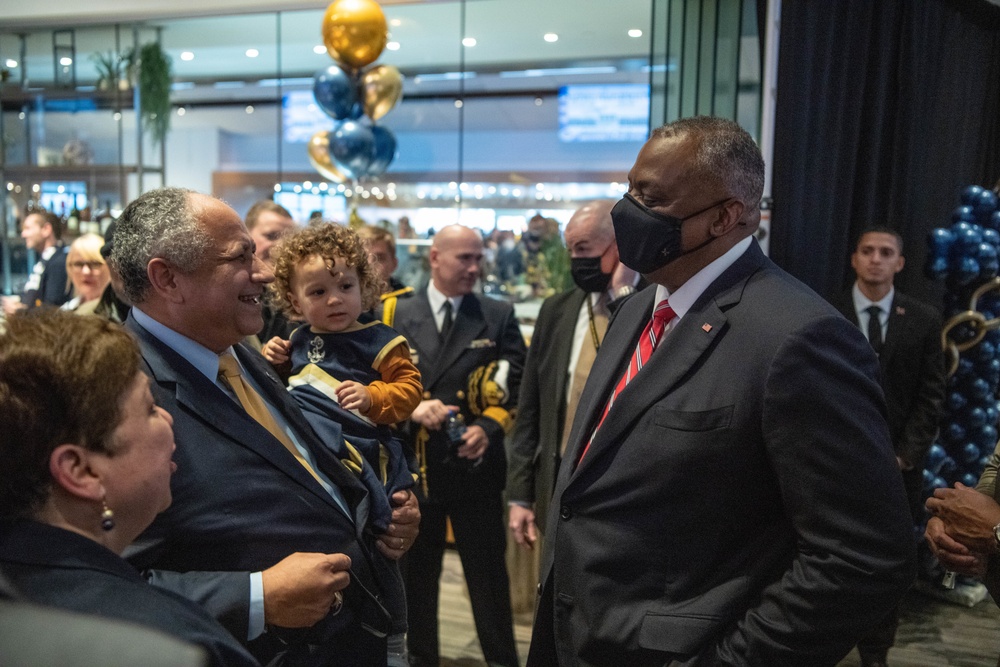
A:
86, 467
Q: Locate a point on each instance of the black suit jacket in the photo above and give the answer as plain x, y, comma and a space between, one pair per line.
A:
59, 568
741, 504
533, 454
484, 330
912, 365
54, 287
241, 503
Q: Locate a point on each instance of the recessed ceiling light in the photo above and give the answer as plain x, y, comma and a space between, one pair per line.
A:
551, 37
469, 41
635, 32
458, 104
181, 111
11, 63
395, 23
252, 53
319, 49
392, 46
249, 108
65, 61
187, 55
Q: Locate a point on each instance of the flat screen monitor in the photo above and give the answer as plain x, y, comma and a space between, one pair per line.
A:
302, 117
608, 112
60, 197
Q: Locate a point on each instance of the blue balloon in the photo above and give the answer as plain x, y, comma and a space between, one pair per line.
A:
935, 455
991, 236
991, 412
970, 453
970, 194
966, 270
968, 240
987, 438
985, 351
963, 214
978, 389
970, 479
954, 433
936, 268
351, 147
384, 153
994, 220
336, 93
928, 481
985, 204
975, 418
956, 401
940, 483
939, 240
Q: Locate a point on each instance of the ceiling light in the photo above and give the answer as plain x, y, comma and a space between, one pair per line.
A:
65, 61
539, 101
181, 111
392, 46
252, 53
11, 63
319, 49
187, 55
395, 23
249, 108
635, 32
469, 41
551, 37
458, 104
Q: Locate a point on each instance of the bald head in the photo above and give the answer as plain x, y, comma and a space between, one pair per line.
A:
456, 253
592, 220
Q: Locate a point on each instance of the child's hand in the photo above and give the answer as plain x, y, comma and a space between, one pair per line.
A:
277, 351
354, 396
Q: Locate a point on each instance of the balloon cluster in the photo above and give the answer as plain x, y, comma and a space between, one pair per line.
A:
355, 95
967, 256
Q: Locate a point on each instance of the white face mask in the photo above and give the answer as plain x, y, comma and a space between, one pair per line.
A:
509, 244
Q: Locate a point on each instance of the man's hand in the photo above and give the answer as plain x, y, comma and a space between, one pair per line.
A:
300, 590
968, 515
474, 443
953, 555
431, 414
354, 396
522, 526
11, 305
277, 351
404, 527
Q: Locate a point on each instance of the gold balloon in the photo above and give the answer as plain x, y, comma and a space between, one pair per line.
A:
354, 31
319, 157
382, 88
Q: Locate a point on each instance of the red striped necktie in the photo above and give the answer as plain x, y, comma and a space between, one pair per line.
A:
651, 335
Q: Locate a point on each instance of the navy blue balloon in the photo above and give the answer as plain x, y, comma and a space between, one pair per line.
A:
966, 270
970, 194
983, 462
985, 204
935, 455
963, 213
994, 220
987, 437
985, 351
970, 479
967, 240
940, 482
384, 153
991, 236
928, 481
970, 453
979, 388
947, 467
975, 418
956, 401
351, 147
954, 433
991, 412
336, 92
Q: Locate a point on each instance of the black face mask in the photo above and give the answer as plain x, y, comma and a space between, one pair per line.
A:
646, 240
587, 274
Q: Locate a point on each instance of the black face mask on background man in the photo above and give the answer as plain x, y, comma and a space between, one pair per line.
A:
646, 240
587, 274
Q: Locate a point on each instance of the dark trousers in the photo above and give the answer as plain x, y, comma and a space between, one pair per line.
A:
478, 524
879, 639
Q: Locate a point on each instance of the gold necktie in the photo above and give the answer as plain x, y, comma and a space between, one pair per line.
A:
229, 371
588, 352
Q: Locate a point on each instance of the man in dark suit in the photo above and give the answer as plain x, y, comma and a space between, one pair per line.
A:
906, 335
48, 284
455, 335
567, 335
268, 530
729, 495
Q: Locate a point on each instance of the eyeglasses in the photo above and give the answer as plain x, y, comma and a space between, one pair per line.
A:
93, 265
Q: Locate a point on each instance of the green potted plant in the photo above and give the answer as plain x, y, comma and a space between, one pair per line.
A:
154, 69
114, 70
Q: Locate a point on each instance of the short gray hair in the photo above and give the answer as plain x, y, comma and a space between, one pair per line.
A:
158, 224
724, 152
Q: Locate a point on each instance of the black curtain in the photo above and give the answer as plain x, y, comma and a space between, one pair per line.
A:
885, 110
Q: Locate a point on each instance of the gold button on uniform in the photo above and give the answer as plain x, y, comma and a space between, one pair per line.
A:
460, 395
427, 395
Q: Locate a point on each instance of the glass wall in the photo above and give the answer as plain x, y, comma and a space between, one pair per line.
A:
510, 109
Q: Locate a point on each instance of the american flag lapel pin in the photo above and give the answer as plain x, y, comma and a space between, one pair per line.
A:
900, 310
706, 327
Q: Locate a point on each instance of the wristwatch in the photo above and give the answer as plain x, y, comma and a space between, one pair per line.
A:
622, 291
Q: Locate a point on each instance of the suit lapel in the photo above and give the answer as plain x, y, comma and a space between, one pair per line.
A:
469, 323
208, 403
895, 329
423, 334
674, 357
